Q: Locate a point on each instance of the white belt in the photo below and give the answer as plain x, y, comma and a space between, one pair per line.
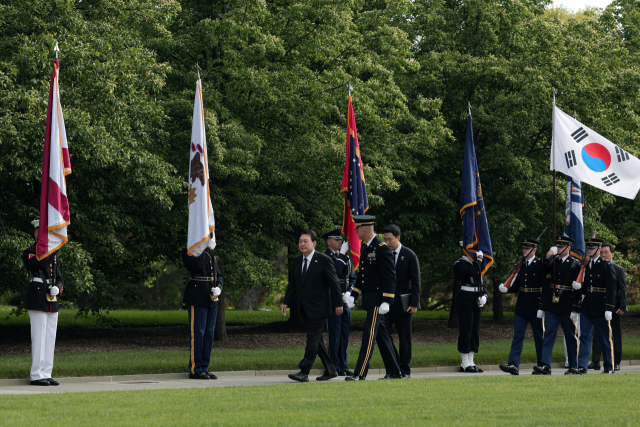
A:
469, 289
39, 280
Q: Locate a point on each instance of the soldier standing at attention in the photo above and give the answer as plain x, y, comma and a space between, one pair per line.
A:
45, 285
528, 284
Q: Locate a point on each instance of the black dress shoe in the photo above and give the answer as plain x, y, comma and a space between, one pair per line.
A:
341, 373
52, 381
616, 367
397, 376
349, 373
581, 370
201, 375
470, 369
544, 370
211, 376
510, 369
386, 377
300, 377
406, 376
326, 377
608, 372
355, 378
40, 382
572, 371
594, 365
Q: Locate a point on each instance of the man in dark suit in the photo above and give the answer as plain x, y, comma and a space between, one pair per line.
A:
314, 286
407, 299
608, 252
378, 292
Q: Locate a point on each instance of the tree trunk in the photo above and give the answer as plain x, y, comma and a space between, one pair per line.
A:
453, 314
252, 299
220, 333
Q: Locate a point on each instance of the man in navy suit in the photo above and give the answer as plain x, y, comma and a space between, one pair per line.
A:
314, 286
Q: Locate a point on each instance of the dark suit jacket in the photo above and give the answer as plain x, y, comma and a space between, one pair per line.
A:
376, 279
621, 285
407, 277
319, 293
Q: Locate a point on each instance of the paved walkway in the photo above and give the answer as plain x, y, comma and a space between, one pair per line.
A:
246, 378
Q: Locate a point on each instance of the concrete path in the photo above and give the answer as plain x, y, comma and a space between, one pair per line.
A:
247, 378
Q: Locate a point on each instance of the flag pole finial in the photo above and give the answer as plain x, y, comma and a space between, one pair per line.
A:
198, 70
349, 88
56, 50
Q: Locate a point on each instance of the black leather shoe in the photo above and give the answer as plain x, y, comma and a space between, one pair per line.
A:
52, 381
397, 376
616, 367
510, 369
572, 371
40, 382
608, 372
341, 373
471, 369
326, 377
581, 370
595, 366
355, 378
199, 376
211, 376
406, 376
386, 377
300, 377
349, 373
544, 370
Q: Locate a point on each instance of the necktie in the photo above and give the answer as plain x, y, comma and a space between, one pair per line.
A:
394, 257
304, 268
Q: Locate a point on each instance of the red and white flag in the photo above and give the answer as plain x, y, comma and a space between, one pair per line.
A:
54, 206
202, 225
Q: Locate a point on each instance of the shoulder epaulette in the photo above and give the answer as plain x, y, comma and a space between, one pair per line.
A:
383, 244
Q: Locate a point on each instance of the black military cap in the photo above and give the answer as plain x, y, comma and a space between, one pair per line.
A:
530, 243
592, 242
563, 241
364, 220
333, 234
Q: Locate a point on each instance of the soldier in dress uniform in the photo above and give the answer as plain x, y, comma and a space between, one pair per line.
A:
558, 301
339, 325
376, 281
201, 300
528, 284
469, 302
596, 311
45, 287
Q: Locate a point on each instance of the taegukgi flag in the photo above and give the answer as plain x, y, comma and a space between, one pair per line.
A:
54, 206
202, 225
581, 153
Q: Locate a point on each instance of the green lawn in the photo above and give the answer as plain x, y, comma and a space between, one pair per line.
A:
585, 400
159, 361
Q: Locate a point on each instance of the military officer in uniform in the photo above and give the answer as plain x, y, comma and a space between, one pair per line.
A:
376, 281
528, 284
558, 301
339, 325
45, 287
201, 299
596, 311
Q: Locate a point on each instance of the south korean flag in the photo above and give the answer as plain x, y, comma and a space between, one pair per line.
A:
581, 153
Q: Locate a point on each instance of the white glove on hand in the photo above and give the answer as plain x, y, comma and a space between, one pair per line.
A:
577, 286
216, 291
554, 250
540, 314
502, 288
608, 315
574, 317
345, 297
384, 308
479, 254
54, 290
482, 300
351, 302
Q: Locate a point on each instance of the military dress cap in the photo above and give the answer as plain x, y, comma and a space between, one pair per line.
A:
364, 220
530, 243
35, 223
593, 242
333, 234
562, 241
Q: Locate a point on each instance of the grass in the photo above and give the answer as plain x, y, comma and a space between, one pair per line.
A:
164, 361
590, 400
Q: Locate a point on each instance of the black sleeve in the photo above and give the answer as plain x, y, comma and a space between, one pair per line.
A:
59, 282
334, 283
192, 263
219, 278
610, 284
621, 282
414, 275
465, 269
388, 272
351, 277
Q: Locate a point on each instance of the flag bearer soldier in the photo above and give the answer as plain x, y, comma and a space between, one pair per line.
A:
376, 281
557, 304
339, 325
45, 285
608, 252
600, 295
201, 299
528, 284
469, 302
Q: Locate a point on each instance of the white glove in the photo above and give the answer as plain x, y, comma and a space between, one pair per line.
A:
554, 250
502, 288
479, 254
482, 300
577, 286
216, 291
345, 297
54, 290
351, 302
608, 315
540, 314
574, 317
384, 308
344, 248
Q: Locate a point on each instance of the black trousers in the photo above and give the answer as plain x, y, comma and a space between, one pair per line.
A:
469, 314
374, 330
402, 322
315, 347
617, 342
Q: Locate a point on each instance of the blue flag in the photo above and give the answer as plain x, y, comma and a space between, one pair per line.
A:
573, 226
475, 227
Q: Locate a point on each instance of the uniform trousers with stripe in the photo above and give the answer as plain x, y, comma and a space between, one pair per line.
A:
315, 346
551, 323
617, 342
605, 335
43, 343
339, 337
374, 330
202, 323
519, 330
